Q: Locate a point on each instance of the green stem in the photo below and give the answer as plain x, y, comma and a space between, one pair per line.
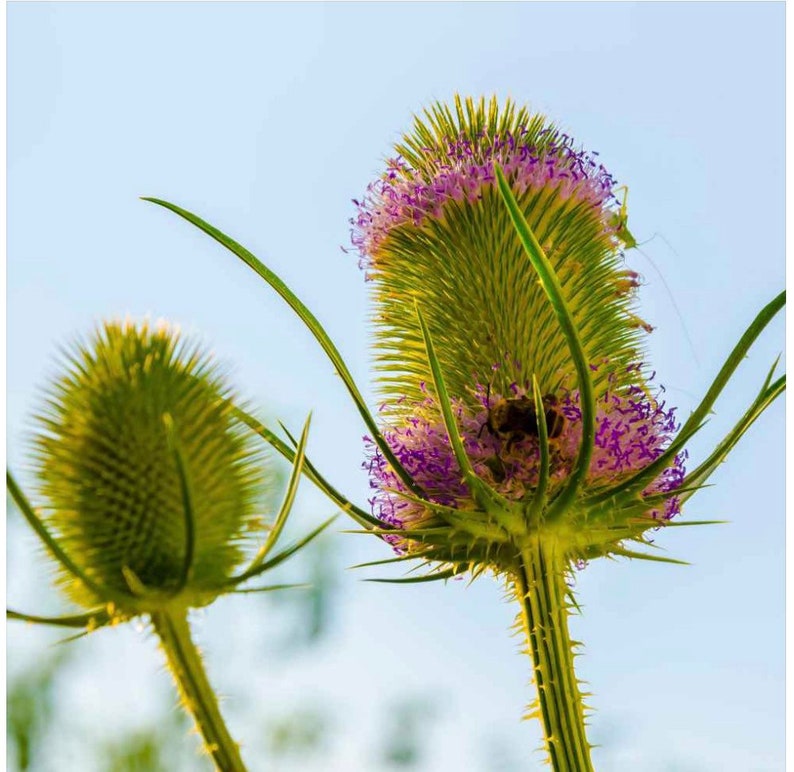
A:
185, 663
541, 590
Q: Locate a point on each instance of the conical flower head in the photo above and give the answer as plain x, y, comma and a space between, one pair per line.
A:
148, 482
434, 233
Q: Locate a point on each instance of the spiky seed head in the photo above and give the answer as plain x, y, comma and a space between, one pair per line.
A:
133, 405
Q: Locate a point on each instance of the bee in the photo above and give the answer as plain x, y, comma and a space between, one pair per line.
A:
515, 419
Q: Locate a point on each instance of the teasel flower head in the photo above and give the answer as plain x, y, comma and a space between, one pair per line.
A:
435, 236
150, 490
522, 433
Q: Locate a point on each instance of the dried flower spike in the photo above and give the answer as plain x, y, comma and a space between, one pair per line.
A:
150, 488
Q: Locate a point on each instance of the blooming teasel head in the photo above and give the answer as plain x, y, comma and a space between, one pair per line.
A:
435, 236
524, 434
508, 348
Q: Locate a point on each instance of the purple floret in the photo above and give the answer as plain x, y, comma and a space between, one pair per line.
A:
632, 430
463, 170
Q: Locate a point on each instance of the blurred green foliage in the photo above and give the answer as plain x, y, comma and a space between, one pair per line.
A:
301, 733
408, 722
150, 750
30, 707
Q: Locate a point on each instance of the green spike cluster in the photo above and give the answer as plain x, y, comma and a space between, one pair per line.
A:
481, 297
147, 479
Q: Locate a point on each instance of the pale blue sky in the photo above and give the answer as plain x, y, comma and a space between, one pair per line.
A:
267, 119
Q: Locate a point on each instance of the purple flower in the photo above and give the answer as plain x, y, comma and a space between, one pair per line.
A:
632, 430
461, 170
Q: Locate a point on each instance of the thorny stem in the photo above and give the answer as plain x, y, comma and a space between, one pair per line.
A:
184, 661
541, 592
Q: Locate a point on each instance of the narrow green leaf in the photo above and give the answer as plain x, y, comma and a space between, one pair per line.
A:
736, 356
537, 500
385, 561
639, 480
476, 523
75, 637
762, 402
272, 588
49, 542
358, 514
411, 533
660, 498
283, 513
309, 320
485, 496
642, 556
442, 510
187, 504
292, 489
770, 374
448, 574
284, 554
553, 290
94, 619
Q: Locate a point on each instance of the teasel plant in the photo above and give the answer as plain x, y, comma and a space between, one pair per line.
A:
149, 499
520, 430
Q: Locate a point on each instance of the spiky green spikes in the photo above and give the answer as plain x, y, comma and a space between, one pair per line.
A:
435, 231
148, 481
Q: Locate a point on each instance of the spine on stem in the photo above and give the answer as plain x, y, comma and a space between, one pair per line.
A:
541, 590
184, 661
